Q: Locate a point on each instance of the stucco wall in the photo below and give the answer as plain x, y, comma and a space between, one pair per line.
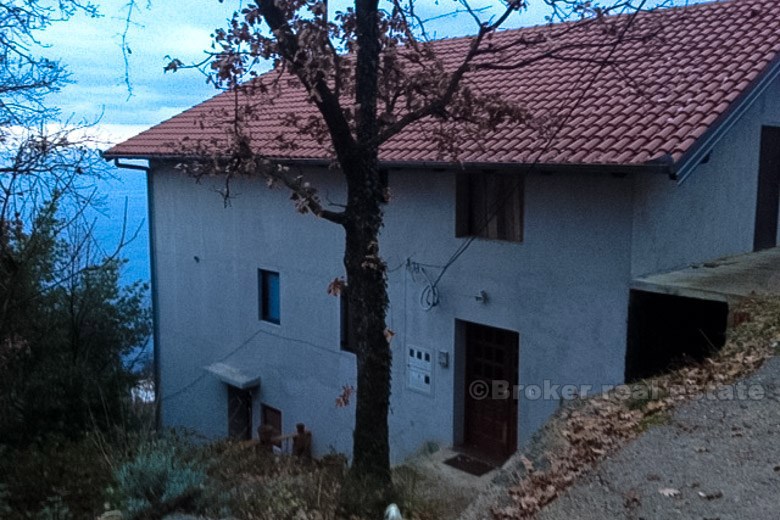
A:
712, 213
208, 308
563, 289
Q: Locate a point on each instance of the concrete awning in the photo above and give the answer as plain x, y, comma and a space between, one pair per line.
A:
233, 376
726, 279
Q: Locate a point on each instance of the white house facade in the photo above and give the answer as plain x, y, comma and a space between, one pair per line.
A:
539, 302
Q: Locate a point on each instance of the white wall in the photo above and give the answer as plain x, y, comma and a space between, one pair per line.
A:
712, 213
563, 289
208, 309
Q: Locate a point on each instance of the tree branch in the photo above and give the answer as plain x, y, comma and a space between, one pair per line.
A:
325, 100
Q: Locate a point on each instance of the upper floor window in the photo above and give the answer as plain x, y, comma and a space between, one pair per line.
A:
490, 205
268, 282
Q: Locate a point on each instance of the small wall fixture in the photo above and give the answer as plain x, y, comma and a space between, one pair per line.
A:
482, 297
444, 359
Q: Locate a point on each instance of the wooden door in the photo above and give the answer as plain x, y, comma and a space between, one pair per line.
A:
491, 359
768, 190
239, 413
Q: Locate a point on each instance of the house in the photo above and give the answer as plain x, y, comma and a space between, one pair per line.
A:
667, 158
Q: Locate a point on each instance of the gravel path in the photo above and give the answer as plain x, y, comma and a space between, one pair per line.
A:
715, 459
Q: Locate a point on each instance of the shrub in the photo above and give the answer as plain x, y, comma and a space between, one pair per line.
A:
51, 476
158, 480
250, 484
5, 508
54, 509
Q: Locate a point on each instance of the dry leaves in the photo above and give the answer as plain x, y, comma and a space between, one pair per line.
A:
711, 496
343, 400
602, 424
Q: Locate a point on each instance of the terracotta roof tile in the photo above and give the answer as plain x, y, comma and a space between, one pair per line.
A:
658, 97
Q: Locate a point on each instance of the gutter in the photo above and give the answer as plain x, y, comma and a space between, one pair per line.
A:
656, 167
153, 284
130, 166
704, 144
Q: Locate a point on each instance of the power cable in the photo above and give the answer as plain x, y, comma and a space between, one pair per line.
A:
243, 344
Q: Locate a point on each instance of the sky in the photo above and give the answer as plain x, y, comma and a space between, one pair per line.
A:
91, 50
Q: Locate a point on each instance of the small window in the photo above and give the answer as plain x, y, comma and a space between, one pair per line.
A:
271, 423
268, 282
490, 206
347, 325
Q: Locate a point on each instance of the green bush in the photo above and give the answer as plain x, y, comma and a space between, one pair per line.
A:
158, 480
247, 483
54, 509
51, 476
5, 508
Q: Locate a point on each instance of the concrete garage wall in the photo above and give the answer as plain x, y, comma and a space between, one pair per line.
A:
712, 213
564, 289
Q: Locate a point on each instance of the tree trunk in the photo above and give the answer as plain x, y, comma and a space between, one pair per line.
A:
369, 478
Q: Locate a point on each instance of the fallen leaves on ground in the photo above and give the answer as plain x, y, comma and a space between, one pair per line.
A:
597, 426
669, 492
712, 495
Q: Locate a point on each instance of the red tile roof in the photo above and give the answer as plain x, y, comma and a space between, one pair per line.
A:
664, 95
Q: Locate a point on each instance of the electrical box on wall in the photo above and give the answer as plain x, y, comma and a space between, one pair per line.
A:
419, 370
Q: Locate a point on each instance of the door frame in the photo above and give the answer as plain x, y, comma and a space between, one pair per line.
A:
460, 384
239, 409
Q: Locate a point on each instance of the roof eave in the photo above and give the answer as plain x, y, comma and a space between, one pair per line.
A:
612, 168
662, 166
704, 144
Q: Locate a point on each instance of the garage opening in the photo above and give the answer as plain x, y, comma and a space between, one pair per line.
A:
667, 331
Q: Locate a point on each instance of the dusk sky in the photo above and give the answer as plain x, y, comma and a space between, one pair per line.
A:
90, 48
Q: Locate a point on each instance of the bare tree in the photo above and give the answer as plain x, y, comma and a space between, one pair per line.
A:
372, 71
45, 164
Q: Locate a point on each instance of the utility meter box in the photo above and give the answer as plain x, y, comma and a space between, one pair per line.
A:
419, 370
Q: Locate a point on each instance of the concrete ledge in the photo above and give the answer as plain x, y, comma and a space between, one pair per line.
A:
727, 279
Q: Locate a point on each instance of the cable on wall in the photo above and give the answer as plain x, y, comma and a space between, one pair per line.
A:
430, 293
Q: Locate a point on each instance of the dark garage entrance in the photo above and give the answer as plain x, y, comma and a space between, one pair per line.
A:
768, 197
665, 331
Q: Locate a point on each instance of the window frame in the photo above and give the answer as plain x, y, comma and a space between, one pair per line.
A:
266, 295
478, 195
270, 416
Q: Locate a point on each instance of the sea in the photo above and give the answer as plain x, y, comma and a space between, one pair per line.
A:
120, 220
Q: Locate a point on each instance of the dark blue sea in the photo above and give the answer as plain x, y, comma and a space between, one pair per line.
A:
124, 194
121, 198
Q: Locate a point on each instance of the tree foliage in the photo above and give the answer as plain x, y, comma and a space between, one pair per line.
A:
69, 330
66, 325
